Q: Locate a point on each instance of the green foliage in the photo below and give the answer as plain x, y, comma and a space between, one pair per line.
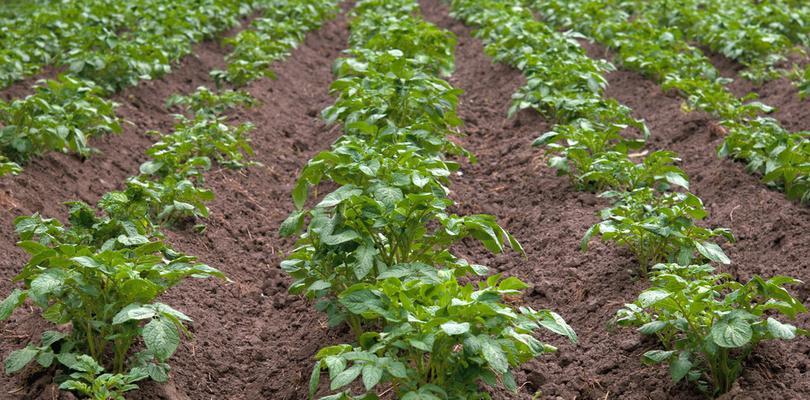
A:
101, 275
741, 31
112, 43
7, 167
782, 158
590, 142
271, 37
104, 46
103, 272
659, 227
206, 102
663, 54
709, 323
168, 189
91, 381
470, 334
801, 78
376, 251
60, 116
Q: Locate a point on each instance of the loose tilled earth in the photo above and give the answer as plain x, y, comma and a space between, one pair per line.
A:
255, 341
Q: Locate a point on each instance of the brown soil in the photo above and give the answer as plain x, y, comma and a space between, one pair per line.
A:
254, 341
793, 112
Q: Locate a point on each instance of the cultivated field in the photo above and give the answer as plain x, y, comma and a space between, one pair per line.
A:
399, 199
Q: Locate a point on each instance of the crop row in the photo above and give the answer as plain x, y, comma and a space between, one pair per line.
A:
757, 34
112, 43
63, 113
782, 158
375, 252
271, 37
103, 271
706, 323
106, 46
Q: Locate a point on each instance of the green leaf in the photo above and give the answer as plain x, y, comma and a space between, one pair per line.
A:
657, 356
161, 337
340, 195
158, 372
14, 300
555, 323
314, 379
292, 224
651, 328
512, 283
45, 358
346, 377
371, 376
397, 369
389, 196
680, 367
713, 252
133, 312
586, 239
18, 359
454, 328
494, 355
365, 260
319, 285
731, 331
300, 193
361, 301
51, 337
650, 297
509, 382
46, 284
676, 179
781, 331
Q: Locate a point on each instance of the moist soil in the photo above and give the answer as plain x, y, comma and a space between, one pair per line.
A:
255, 341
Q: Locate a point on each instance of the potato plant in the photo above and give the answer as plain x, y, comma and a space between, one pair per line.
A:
708, 324
469, 334
104, 47
8, 167
590, 142
114, 44
60, 116
102, 276
103, 272
801, 78
659, 228
740, 31
663, 54
376, 250
271, 37
91, 381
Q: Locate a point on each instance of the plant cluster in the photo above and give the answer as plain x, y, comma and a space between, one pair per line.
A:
271, 37
113, 43
104, 46
61, 115
590, 142
652, 215
103, 272
375, 252
709, 323
758, 35
663, 54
